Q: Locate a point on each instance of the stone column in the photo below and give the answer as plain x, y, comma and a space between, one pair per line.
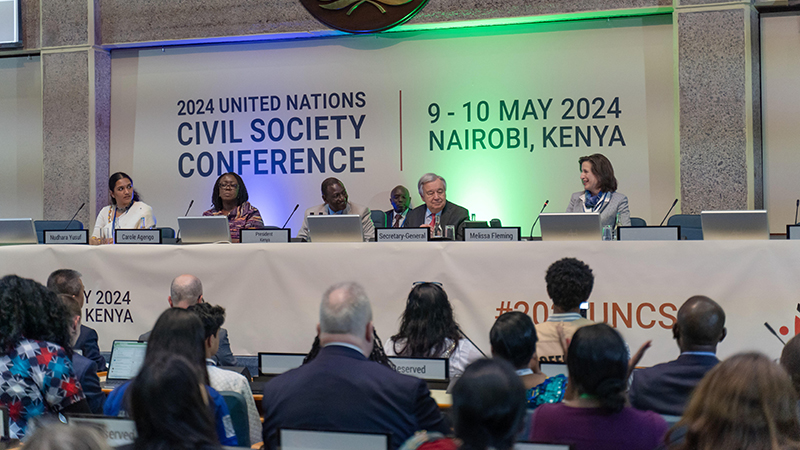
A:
76, 86
719, 111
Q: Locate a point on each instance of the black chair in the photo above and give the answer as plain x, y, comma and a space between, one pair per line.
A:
238, 409
638, 222
379, 219
49, 225
691, 226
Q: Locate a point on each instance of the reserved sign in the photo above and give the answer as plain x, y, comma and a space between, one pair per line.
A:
492, 234
265, 236
117, 431
402, 234
66, 237
429, 369
137, 236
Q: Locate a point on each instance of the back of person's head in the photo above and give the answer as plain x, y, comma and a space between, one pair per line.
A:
488, 405
513, 338
185, 290
73, 308
212, 317
58, 436
66, 281
598, 365
427, 321
168, 406
345, 309
790, 360
744, 402
701, 323
569, 283
180, 332
31, 311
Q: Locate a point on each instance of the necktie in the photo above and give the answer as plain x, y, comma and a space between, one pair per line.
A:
397, 218
433, 220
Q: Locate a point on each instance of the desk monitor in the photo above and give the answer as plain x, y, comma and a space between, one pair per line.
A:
17, 231
649, 233
273, 364
792, 231
552, 369
570, 226
541, 446
335, 228
734, 225
126, 360
118, 431
204, 230
331, 440
4, 433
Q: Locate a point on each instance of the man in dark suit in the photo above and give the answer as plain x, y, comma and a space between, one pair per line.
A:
67, 281
342, 390
187, 290
401, 203
85, 369
437, 212
665, 388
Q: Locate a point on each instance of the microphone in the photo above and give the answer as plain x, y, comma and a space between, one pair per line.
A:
774, 333
537, 217
470, 340
190, 207
290, 215
795, 210
75, 215
670, 210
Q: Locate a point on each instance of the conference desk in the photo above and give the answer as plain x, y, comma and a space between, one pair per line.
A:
272, 291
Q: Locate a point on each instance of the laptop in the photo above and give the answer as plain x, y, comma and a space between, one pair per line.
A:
476, 224
435, 371
552, 369
204, 230
118, 431
335, 228
5, 434
17, 231
126, 360
570, 226
734, 225
651, 233
270, 365
331, 440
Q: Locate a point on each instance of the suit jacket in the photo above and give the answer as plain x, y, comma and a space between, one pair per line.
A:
341, 390
608, 215
452, 214
367, 227
87, 344
665, 388
390, 218
224, 356
86, 373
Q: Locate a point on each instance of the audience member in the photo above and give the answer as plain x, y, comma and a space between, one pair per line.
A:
377, 355
436, 213
744, 402
488, 410
513, 338
220, 379
334, 196
57, 436
68, 281
187, 290
85, 369
665, 388
569, 283
341, 390
169, 408
401, 203
179, 332
36, 375
790, 360
429, 330
596, 418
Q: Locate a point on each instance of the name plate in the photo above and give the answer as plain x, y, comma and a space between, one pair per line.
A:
265, 236
117, 431
491, 234
137, 236
428, 369
402, 234
66, 237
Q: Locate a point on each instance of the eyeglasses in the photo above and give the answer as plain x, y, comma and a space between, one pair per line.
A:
228, 186
417, 283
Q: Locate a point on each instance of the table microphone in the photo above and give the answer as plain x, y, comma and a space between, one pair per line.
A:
774, 333
470, 340
670, 210
290, 215
795, 211
190, 207
537, 217
75, 215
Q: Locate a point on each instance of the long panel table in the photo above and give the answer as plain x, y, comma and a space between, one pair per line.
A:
272, 291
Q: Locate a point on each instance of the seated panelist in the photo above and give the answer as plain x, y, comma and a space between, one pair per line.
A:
336, 201
401, 206
230, 199
126, 211
436, 213
600, 192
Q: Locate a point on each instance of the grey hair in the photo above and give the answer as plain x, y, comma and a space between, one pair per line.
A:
348, 316
427, 178
186, 292
57, 436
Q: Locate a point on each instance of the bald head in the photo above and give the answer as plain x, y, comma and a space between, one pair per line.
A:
186, 290
700, 325
345, 315
790, 360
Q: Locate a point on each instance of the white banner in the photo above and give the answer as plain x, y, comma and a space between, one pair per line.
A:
272, 291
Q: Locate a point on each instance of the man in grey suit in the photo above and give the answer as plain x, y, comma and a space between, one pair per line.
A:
436, 211
187, 290
336, 201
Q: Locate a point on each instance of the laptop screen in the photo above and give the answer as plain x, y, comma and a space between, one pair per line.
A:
126, 359
278, 363
336, 228
331, 440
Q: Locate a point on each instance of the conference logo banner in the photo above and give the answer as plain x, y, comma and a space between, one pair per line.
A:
363, 16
